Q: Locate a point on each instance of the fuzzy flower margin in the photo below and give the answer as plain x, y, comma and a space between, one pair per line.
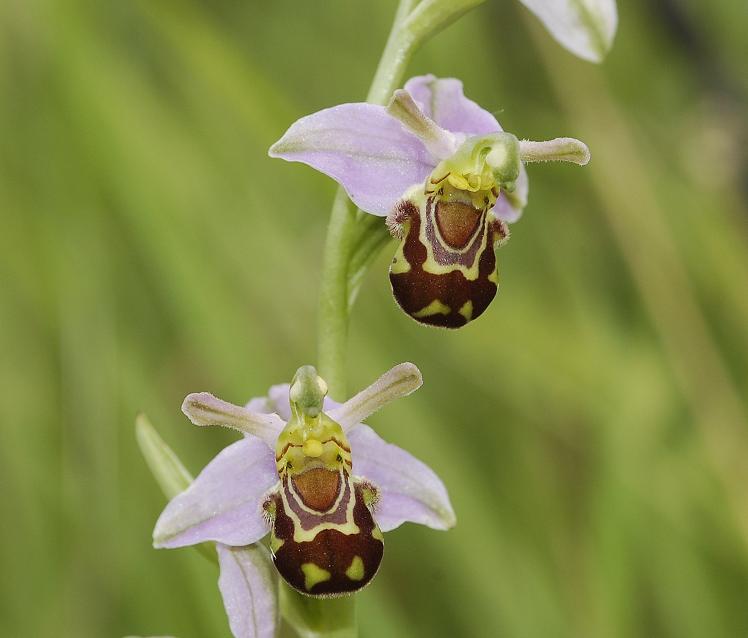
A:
224, 503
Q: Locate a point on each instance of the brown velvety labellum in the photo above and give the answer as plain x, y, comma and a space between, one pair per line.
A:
318, 488
455, 232
457, 222
329, 562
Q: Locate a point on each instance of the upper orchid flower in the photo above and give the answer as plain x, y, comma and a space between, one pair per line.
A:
447, 177
309, 472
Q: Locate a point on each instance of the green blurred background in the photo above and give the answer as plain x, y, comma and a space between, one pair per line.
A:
590, 427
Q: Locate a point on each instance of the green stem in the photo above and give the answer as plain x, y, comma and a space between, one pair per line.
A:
366, 250
333, 296
336, 617
334, 305
317, 617
395, 57
353, 241
344, 265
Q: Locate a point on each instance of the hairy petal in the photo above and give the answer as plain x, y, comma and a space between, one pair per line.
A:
559, 149
443, 101
223, 503
409, 489
203, 409
398, 382
249, 587
361, 147
439, 142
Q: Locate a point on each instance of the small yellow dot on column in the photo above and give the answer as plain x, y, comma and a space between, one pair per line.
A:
312, 448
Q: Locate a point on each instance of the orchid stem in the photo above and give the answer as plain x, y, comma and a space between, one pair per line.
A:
333, 296
335, 302
334, 305
395, 57
318, 617
346, 257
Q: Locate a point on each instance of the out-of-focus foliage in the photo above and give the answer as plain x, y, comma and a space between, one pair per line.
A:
591, 427
584, 27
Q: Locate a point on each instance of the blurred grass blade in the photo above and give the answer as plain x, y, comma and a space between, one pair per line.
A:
584, 27
171, 476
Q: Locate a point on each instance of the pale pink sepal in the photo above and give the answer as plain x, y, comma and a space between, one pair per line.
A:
249, 587
224, 502
410, 491
368, 152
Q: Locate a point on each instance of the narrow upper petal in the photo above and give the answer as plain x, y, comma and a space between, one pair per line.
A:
443, 101
202, 408
223, 503
409, 489
249, 587
440, 142
509, 207
397, 382
361, 147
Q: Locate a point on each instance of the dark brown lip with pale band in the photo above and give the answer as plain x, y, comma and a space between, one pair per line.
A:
317, 487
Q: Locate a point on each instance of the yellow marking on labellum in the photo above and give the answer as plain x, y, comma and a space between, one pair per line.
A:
312, 448
275, 543
494, 277
436, 307
467, 310
314, 575
377, 533
399, 264
356, 570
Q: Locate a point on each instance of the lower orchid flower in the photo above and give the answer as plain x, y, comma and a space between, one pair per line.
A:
322, 484
447, 177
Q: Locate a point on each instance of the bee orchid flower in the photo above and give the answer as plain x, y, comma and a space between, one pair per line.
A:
446, 176
312, 476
